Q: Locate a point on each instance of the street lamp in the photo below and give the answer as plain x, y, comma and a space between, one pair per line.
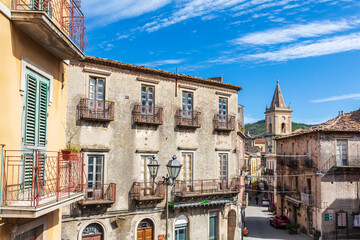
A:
173, 167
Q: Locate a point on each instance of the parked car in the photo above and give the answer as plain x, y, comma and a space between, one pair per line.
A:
265, 202
272, 207
279, 221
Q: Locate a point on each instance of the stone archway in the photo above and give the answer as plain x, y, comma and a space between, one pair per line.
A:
145, 230
231, 225
93, 231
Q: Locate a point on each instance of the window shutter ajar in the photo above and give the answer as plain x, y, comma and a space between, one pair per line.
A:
30, 108
43, 102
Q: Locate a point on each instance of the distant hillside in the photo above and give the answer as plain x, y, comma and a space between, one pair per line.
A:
258, 129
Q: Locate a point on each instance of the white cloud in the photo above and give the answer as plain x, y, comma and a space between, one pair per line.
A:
355, 96
294, 32
105, 12
191, 9
322, 47
249, 119
161, 62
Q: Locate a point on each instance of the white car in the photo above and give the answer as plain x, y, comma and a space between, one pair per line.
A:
265, 202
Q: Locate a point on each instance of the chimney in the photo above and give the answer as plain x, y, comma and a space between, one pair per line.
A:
219, 79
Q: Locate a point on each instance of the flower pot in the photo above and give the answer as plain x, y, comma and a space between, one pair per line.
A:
68, 155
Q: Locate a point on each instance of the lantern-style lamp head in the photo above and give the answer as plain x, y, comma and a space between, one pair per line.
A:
174, 167
153, 168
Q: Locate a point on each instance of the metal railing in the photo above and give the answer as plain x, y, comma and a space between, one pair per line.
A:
65, 13
281, 160
34, 178
90, 109
187, 118
224, 123
350, 161
148, 191
291, 162
206, 187
269, 171
306, 161
307, 199
105, 193
148, 115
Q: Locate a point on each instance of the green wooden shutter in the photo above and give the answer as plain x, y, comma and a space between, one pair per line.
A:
43, 103
28, 170
30, 108
34, 5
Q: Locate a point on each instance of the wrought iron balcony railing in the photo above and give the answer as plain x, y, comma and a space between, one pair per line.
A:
224, 123
306, 161
147, 191
269, 171
307, 199
101, 194
206, 187
292, 162
65, 13
281, 160
187, 118
96, 110
352, 161
37, 178
148, 115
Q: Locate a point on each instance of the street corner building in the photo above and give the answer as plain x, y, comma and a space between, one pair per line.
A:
318, 173
123, 116
36, 181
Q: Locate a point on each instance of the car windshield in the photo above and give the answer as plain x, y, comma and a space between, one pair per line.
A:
282, 218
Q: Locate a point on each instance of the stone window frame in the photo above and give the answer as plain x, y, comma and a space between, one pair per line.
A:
92, 152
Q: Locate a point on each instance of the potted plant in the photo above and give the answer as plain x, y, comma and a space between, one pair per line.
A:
293, 228
71, 150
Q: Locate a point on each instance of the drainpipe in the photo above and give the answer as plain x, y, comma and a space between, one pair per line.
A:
1, 174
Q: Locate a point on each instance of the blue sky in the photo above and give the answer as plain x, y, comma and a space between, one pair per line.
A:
311, 46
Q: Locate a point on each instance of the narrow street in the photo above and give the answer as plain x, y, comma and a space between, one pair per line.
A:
257, 222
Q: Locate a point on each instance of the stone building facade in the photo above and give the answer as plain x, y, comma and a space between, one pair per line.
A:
123, 115
278, 120
318, 177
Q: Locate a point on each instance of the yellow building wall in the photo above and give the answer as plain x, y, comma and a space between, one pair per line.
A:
7, 3
16, 45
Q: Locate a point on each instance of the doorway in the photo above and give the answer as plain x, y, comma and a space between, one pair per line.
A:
231, 225
145, 230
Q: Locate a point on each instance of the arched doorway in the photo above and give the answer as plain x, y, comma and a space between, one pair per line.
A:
93, 231
145, 230
181, 228
231, 224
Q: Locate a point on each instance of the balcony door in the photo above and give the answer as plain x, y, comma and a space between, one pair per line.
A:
341, 153
147, 100
187, 105
223, 162
96, 97
95, 177
223, 110
187, 170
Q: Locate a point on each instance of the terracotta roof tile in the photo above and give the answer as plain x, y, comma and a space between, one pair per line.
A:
113, 63
259, 140
348, 122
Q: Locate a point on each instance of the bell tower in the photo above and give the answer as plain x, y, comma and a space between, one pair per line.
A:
278, 120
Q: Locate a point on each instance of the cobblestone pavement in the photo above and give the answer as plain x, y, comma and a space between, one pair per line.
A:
257, 222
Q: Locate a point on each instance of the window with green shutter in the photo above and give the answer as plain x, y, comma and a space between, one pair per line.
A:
35, 127
36, 110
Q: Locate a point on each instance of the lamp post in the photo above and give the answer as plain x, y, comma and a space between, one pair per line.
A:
173, 167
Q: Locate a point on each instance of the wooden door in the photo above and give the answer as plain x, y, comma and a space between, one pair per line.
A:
145, 234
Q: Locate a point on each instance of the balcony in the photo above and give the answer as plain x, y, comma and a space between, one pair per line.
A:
148, 115
199, 188
281, 160
350, 164
143, 191
39, 182
57, 25
190, 119
103, 194
307, 199
224, 123
306, 161
95, 110
292, 162
269, 171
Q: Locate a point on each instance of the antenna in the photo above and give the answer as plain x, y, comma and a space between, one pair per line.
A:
177, 70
